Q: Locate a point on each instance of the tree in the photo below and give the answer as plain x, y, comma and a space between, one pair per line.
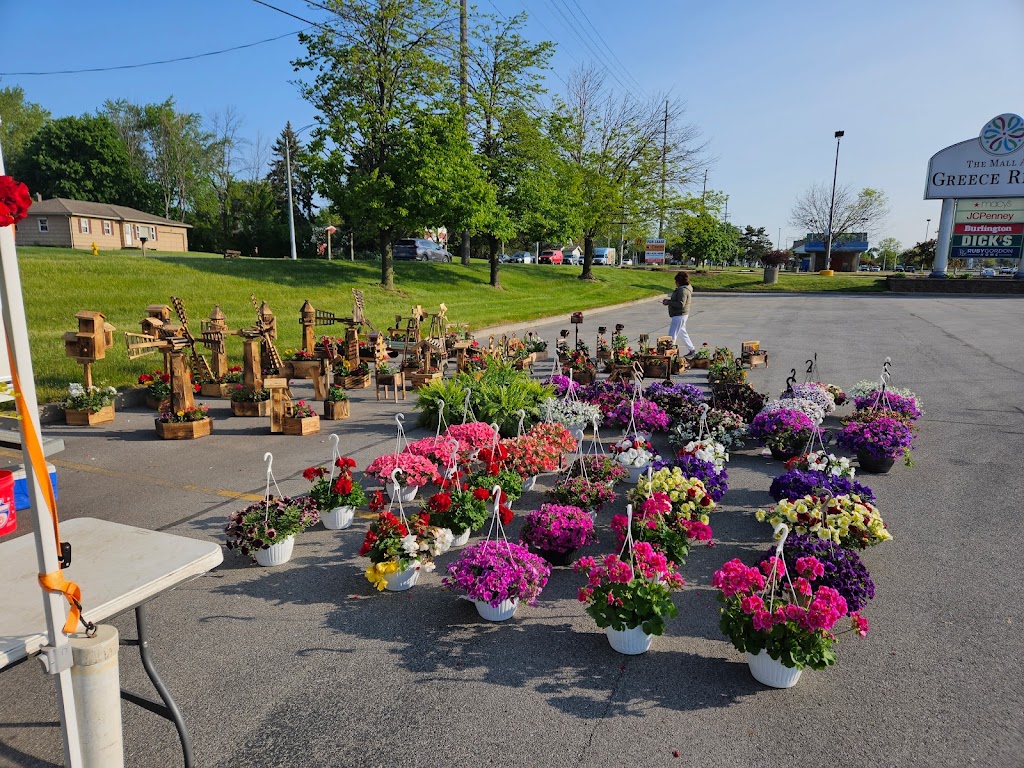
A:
620, 148
378, 75
302, 188
82, 158
707, 239
20, 121
864, 211
754, 243
921, 255
181, 155
889, 250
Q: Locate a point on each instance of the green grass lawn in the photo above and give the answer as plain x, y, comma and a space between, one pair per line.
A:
59, 282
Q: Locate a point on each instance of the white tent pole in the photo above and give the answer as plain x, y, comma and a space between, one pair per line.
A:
54, 605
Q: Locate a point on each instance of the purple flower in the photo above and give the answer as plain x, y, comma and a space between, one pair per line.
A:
844, 570
878, 401
647, 416
562, 385
495, 571
880, 438
797, 483
782, 428
715, 480
558, 528
674, 398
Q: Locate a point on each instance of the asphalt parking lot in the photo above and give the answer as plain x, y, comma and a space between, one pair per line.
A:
305, 665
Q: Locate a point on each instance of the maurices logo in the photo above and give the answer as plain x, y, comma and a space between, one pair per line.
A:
1003, 134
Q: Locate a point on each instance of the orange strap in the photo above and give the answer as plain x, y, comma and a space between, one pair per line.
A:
55, 581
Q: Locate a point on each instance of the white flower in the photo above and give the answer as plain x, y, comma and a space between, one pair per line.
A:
410, 544
76, 390
569, 412
708, 450
812, 410
830, 463
441, 541
814, 392
429, 566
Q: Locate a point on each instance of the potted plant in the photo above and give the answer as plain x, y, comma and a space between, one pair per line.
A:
250, 402
630, 598
399, 549
784, 431
557, 439
713, 477
337, 496
797, 483
816, 393
336, 405
663, 528
599, 469
837, 394
529, 456
689, 498
158, 389
813, 410
843, 569
583, 369
509, 480
87, 408
475, 434
186, 424
635, 455
878, 442
413, 473
722, 426
386, 373
702, 357
301, 420
462, 511
771, 262
351, 377
706, 449
641, 415
581, 492
497, 576
822, 461
556, 531
847, 520
868, 395
235, 375
575, 415
266, 531
783, 624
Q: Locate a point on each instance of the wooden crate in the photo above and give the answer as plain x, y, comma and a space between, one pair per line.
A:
216, 390
417, 380
261, 408
307, 425
335, 410
353, 382
186, 430
76, 418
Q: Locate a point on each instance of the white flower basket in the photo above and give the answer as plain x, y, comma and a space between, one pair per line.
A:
505, 609
461, 539
529, 483
629, 641
279, 553
772, 673
402, 580
405, 492
338, 518
635, 473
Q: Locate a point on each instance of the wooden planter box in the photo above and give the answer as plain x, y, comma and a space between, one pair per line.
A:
335, 410
307, 425
158, 405
585, 377
419, 379
261, 408
695, 363
540, 355
302, 369
353, 382
76, 418
604, 354
216, 390
186, 430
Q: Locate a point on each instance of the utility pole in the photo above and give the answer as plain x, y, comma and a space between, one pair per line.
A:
622, 239
705, 190
664, 170
464, 98
832, 205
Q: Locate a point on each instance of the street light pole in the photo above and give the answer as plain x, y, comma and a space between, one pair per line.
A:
832, 205
927, 225
288, 172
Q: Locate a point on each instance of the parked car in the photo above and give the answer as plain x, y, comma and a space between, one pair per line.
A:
988, 272
550, 257
418, 249
504, 259
876, 269
1006, 270
910, 268
573, 260
627, 262
522, 257
900, 268
864, 268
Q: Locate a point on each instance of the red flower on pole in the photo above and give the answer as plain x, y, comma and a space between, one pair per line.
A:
14, 201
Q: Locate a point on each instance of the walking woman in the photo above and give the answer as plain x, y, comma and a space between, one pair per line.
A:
678, 304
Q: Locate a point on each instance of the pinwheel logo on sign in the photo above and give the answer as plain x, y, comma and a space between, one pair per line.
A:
1003, 135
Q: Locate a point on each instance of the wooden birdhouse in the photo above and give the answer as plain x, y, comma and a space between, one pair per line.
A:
268, 319
307, 319
90, 342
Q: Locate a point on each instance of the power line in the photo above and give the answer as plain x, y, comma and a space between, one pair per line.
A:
567, 23
152, 63
611, 49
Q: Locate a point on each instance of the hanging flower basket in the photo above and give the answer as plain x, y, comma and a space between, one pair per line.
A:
278, 553
872, 465
461, 539
771, 672
404, 493
629, 641
399, 581
503, 611
338, 518
84, 418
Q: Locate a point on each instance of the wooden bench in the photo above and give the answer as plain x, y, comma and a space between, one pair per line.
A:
232, 254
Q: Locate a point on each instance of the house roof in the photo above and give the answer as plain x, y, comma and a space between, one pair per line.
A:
60, 206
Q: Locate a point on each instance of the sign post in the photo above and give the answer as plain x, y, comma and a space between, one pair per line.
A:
654, 250
330, 231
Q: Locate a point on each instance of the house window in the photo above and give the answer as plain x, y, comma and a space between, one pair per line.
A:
83, 226
145, 232
108, 228
44, 225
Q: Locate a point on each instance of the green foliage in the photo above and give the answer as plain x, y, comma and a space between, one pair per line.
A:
784, 642
451, 391
637, 603
511, 483
465, 513
20, 120
755, 243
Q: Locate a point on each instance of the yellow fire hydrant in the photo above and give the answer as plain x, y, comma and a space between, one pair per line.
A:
95, 249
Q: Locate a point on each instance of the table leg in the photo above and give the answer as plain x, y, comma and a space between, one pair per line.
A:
170, 709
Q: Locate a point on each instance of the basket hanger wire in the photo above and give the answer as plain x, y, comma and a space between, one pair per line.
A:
269, 458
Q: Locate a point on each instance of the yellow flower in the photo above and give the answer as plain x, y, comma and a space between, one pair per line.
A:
775, 520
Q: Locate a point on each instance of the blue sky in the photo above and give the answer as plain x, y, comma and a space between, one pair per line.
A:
768, 84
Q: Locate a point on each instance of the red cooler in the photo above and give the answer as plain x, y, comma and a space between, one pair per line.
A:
8, 517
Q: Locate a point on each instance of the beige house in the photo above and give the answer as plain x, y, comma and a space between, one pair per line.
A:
79, 224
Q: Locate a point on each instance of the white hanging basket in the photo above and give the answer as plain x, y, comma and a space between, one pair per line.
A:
278, 553
338, 518
629, 641
403, 493
461, 540
503, 611
529, 483
402, 580
772, 673
635, 473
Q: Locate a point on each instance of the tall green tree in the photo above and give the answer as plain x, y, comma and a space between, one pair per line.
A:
303, 190
755, 243
82, 158
379, 74
21, 120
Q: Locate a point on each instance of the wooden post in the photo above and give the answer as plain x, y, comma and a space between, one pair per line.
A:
279, 402
352, 347
87, 375
181, 383
308, 319
219, 356
252, 371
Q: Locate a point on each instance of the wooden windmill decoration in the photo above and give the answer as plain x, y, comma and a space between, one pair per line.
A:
90, 342
258, 344
214, 332
178, 351
200, 367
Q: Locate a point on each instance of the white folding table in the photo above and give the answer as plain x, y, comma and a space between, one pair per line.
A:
119, 568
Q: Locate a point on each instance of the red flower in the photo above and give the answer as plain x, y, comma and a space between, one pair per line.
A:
505, 515
309, 473
197, 388
145, 378
345, 463
343, 486
376, 501
440, 502
165, 378
493, 469
482, 494
14, 201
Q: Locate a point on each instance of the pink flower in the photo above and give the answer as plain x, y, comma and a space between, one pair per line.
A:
802, 585
773, 563
762, 621
860, 624
752, 604
812, 565
696, 530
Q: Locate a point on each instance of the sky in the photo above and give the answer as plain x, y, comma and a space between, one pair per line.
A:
767, 84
